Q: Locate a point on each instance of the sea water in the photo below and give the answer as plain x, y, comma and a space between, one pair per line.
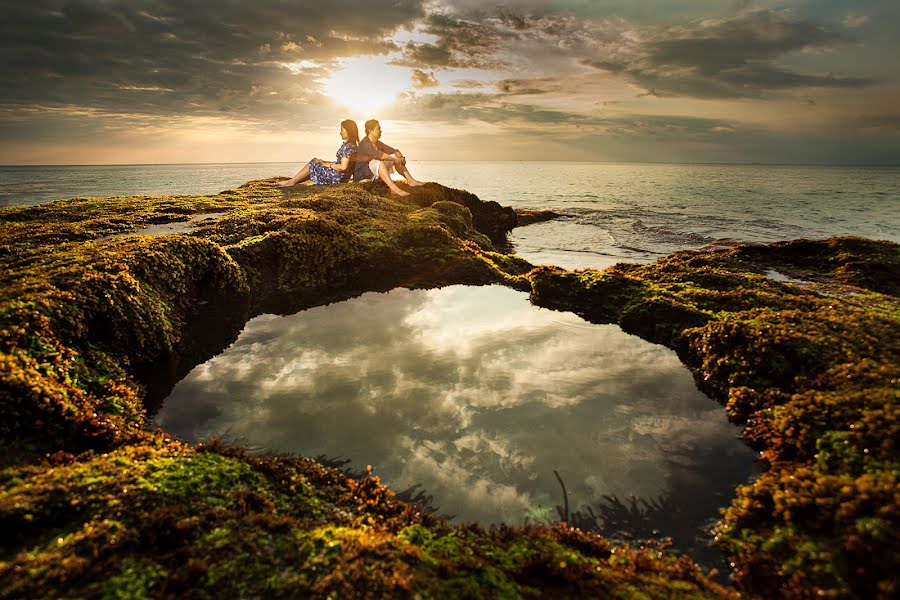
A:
613, 212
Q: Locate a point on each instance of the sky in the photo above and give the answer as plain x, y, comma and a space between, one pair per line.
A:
174, 81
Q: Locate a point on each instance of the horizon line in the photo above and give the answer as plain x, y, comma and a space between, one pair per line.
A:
609, 162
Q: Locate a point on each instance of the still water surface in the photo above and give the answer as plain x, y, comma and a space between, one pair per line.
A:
478, 396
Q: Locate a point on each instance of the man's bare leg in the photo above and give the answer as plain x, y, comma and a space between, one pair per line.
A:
384, 173
301, 176
401, 168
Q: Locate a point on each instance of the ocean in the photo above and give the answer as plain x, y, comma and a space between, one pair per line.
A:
613, 211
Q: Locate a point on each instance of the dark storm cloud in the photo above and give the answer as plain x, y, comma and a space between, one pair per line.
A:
645, 11
165, 56
750, 80
733, 57
461, 43
732, 43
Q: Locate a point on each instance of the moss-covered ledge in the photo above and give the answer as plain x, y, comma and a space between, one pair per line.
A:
798, 339
96, 320
801, 341
88, 310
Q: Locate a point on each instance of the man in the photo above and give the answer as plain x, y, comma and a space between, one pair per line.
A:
376, 160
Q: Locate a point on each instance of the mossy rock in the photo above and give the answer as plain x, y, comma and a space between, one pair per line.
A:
812, 367
94, 325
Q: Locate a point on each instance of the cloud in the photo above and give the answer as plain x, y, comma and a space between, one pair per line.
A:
518, 11
469, 84
854, 20
882, 122
528, 87
471, 392
421, 79
117, 55
735, 56
727, 58
567, 66
460, 107
460, 43
730, 43
482, 107
79, 52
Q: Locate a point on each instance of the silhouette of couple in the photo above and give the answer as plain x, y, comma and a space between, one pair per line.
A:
365, 160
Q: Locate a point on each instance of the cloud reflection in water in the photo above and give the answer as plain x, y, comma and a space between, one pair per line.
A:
473, 393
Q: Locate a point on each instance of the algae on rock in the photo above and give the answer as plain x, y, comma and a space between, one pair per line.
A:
813, 370
95, 327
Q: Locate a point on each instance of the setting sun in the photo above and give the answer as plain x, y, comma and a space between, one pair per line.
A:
366, 85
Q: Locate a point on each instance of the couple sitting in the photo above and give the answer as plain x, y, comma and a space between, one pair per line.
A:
365, 160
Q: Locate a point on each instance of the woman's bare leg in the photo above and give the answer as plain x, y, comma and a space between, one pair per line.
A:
385, 174
301, 176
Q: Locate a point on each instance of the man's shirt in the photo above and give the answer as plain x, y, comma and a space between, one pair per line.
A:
366, 152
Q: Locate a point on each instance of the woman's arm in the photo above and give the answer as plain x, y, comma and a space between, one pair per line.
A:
341, 166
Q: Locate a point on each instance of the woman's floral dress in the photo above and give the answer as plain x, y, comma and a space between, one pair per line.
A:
320, 174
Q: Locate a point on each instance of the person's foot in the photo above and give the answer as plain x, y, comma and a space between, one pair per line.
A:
414, 182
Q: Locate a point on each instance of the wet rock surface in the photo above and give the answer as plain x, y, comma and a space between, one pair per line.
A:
527, 217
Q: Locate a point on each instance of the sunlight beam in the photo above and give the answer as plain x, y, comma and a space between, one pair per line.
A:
366, 85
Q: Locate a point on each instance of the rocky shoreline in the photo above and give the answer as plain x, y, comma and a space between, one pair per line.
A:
95, 328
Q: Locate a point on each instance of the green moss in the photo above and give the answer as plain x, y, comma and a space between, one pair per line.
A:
811, 369
92, 502
204, 475
83, 316
135, 580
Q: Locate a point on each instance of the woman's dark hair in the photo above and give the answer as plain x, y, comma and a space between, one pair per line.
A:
352, 130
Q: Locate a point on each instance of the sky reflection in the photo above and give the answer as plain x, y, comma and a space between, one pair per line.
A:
471, 392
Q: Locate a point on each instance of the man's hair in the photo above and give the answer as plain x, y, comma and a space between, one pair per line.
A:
370, 125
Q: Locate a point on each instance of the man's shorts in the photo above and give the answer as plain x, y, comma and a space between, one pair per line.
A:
376, 164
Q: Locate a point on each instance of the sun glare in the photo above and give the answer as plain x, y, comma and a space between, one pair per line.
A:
366, 85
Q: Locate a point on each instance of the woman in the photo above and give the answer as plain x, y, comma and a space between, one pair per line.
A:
322, 172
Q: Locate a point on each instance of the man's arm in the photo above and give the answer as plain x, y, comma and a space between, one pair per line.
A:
393, 153
385, 148
366, 151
